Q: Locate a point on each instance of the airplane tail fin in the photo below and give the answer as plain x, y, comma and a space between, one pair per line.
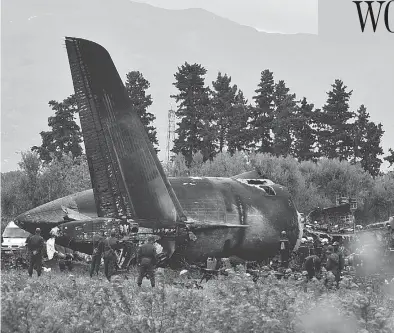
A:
127, 177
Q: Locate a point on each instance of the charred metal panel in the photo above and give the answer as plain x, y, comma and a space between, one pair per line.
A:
223, 201
107, 186
126, 174
78, 235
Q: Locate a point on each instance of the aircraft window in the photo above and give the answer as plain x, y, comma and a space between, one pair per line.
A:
268, 189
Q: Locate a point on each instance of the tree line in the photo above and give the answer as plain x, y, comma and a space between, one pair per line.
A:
216, 123
217, 119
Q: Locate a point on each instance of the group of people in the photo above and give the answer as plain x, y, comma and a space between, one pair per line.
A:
313, 254
103, 247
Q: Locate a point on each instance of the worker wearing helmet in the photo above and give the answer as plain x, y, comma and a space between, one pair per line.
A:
284, 249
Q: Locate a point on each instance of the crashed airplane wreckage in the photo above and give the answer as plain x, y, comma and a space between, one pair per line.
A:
193, 217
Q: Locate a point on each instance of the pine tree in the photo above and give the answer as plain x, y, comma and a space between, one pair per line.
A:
283, 121
359, 132
305, 131
367, 142
65, 135
335, 136
371, 149
262, 114
196, 130
238, 134
136, 86
223, 102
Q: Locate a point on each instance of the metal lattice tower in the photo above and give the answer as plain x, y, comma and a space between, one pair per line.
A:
170, 132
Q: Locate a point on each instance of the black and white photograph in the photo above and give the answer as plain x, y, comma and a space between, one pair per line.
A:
197, 166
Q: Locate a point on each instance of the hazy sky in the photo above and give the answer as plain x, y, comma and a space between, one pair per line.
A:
286, 16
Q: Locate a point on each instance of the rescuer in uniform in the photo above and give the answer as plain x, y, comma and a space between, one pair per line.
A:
341, 257
303, 250
97, 253
146, 259
35, 245
109, 245
312, 265
284, 249
333, 263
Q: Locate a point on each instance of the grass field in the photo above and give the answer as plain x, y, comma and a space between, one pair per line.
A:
60, 302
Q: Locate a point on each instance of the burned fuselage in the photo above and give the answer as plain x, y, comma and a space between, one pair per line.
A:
264, 208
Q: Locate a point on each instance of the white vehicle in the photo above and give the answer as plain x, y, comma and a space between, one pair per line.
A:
13, 238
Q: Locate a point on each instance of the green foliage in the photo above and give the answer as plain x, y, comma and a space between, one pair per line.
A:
282, 125
37, 183
136, 86
390, 157
223, 101
196, 131
238, 135
335, 138
65, 135
177, 167
223, 165
367, 138
262, 114
304, 131
276, 124
61, 303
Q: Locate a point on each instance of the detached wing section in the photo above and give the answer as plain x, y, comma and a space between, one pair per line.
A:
127, 177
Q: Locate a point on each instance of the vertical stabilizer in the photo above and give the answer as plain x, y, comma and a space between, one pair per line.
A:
127, 177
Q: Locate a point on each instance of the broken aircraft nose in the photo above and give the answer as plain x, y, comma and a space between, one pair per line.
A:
42, 217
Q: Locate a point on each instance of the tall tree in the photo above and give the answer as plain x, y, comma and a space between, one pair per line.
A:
371, 149
304, 131
196, 130
136, 86
282, 123
238, 133
223, 102
65, 135
359, 132
262, 114
31, 166
335, 137
367, 142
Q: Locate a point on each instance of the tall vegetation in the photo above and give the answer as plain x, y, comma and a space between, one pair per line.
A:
219, 120
137, 86
65, 135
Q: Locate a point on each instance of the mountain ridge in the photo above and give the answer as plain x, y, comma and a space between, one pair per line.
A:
157, 41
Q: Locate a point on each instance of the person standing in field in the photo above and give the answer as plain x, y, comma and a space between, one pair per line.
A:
284, 249
146, 259
333, 263
109, 245
35, 246
97, 253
